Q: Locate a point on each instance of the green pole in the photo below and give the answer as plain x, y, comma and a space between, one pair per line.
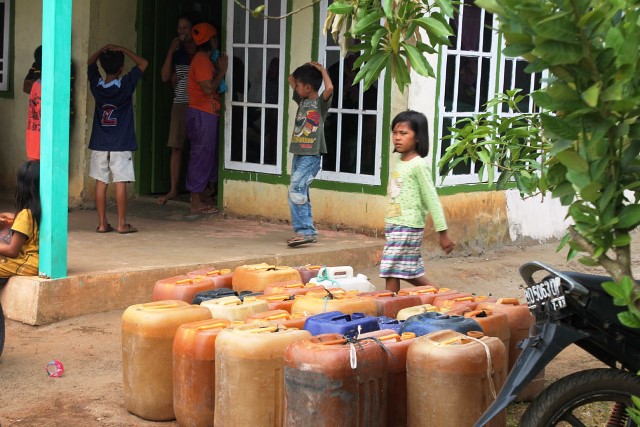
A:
54, 137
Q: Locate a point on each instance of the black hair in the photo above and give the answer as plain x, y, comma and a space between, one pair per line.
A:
192, 16
419, 125
111, 61
204, 47
28, 189
37, 58
309, 75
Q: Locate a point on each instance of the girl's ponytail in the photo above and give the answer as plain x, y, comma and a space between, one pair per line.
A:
28, 189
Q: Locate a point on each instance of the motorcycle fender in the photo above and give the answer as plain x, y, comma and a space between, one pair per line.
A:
537, 352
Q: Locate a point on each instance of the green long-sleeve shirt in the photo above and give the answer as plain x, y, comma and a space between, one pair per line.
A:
412, 195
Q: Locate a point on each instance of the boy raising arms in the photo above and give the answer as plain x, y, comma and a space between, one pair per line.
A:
113, 138
307, 145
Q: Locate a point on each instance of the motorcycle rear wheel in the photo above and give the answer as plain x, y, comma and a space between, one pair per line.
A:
563, 400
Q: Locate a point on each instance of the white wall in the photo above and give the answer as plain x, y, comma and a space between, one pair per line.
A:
536, 218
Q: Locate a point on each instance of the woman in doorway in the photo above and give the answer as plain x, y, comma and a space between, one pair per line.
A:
202, 117
175, 69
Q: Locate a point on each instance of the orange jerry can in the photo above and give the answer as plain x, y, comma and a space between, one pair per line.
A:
147, 355
277, 301
397, 346
256, 277
520, 320
448, 382
282, 317
250, 374
389, 304
181, 288
291, 287
494, 324
440, 301
316, 303
233, 308
194, 372
330, 382
308, 272
221, 277
427, 294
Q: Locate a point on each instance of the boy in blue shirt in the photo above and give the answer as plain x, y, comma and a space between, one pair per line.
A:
307, 145
113, 138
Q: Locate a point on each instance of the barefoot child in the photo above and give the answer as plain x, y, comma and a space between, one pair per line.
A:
19, 245
412, 196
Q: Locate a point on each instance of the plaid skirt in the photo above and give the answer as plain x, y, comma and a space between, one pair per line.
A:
402, 253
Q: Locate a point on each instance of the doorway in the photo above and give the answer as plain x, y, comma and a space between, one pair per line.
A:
156, 27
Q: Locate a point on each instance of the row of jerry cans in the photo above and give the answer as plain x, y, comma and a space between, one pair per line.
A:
264, 374
256, 278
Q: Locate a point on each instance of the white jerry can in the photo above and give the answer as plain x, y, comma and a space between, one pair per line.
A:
342, 277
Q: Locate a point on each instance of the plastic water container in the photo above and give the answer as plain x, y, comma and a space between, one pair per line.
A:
405, 313
520, 319
278, 301
331, 383
397, 347
494, 324
233, 308
431, 321
250, 374
281, 317
389, 324
221, 277
342, 277
180, 287
447, 379
348, 325
194, 371
313, 303
292, 287
308, 272
213, 294
256, 277
147, 342
389, 304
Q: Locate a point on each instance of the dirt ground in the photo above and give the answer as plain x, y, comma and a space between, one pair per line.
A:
90, 391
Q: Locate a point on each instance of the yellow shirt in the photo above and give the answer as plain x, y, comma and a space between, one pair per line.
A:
26, 263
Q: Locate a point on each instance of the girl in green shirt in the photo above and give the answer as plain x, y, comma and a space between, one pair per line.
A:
412, 195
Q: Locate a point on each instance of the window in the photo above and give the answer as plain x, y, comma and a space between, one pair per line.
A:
253, 123
5, 33
471, 75
353, 129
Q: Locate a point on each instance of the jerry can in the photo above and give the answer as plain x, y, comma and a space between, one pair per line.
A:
397, 347
291, 287
389, 304
194, 372
281, 317
308, 272
349, 325
342, 277
494, 324
316, 303
387, 323
440, 301
250, 374
456, 366
256, 277
147, 342
278, 301
233, 308
182, 288
520, 320
431, 321
427, 294
221, 277
213, 294
405, 313
330, 382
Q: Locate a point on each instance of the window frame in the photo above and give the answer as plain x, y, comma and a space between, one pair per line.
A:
7, 62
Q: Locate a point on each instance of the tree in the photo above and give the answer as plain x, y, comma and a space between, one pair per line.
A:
582, 147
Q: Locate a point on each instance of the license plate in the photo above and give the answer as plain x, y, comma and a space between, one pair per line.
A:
547, 296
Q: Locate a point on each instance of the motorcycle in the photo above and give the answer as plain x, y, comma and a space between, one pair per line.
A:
2, 282
572, 308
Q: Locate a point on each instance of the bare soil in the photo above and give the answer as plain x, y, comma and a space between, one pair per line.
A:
90, 391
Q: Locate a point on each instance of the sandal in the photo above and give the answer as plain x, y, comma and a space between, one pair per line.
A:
301, 239
207, 210
128, 229
108, 229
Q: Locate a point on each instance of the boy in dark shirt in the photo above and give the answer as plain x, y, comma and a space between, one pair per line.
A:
113, 138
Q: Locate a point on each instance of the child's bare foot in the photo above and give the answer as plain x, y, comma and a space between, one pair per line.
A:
163, 199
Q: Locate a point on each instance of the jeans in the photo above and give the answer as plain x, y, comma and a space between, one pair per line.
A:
303, 170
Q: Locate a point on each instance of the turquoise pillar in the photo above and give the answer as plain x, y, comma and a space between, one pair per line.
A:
54, 138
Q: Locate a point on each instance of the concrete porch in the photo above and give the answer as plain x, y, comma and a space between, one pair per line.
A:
112, 271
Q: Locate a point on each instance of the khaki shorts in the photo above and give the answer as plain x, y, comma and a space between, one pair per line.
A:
177, 132
112, 164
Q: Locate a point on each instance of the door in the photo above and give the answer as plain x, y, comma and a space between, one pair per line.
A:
156, 27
